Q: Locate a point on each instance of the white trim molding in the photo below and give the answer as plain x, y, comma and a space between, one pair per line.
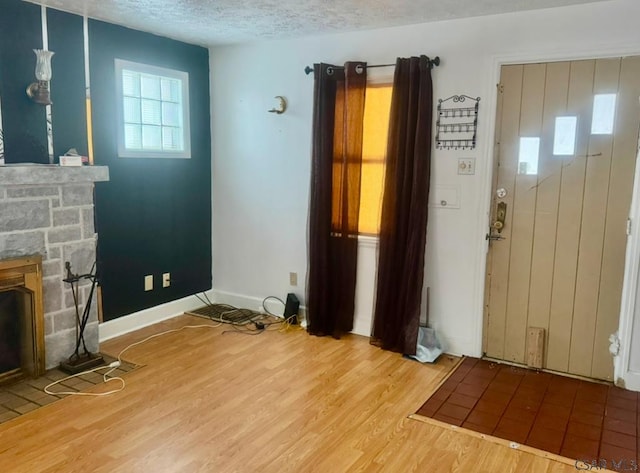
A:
254, 303
630, 305
144, 318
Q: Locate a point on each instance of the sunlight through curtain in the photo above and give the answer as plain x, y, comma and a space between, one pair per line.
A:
339, 96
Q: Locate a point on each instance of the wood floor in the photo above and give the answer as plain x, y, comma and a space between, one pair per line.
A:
208, 401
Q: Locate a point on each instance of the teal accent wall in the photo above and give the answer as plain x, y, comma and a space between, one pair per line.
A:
23, 122
154, 215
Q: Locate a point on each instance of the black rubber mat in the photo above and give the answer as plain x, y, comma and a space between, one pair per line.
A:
226, 313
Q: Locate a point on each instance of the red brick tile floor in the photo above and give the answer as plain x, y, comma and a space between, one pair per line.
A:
578, 419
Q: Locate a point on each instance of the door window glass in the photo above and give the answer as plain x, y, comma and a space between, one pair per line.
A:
528, 155
564, 139
604, 110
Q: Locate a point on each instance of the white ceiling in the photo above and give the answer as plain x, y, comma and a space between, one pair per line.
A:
211, 22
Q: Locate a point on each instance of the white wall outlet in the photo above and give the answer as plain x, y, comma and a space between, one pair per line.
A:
166, 279
293, 279
148, 282
466, 165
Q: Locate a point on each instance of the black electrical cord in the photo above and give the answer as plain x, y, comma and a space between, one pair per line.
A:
281, 317
264, 306
247, 313
203, 301
258, 320
244, 331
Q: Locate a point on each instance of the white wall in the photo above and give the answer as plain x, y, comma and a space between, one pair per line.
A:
261, 161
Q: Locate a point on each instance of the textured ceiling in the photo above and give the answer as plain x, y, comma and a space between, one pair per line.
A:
211, 22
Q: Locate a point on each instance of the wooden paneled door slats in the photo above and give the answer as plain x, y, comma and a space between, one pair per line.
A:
560, 265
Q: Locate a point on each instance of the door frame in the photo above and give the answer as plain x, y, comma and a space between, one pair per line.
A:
630, 301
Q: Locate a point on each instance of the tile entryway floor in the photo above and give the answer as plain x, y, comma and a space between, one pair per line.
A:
28, 394
570, 417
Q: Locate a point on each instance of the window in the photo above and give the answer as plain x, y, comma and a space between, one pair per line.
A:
374, 147
153, 111
528, 155
564, 139
604, 111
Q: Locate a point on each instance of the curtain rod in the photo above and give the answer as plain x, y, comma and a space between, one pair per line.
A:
432, 62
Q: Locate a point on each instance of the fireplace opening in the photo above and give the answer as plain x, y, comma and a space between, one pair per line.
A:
16, 340
21, 319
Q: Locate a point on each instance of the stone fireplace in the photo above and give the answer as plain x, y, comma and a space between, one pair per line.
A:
47, 214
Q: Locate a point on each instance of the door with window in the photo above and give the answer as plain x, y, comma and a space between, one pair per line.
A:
566, 143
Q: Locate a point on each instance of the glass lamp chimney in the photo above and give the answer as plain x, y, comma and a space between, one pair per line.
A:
43, 64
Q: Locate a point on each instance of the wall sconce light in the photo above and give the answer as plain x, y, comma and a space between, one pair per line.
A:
282, 105
39, 91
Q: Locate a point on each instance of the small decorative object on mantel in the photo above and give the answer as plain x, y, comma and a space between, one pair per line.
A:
81, 359
457, 122
73, 158
282, 105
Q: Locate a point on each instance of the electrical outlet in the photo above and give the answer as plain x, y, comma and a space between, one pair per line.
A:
293, 279
148, 282
166, 279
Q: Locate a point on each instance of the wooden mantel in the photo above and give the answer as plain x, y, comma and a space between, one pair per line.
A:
45, 174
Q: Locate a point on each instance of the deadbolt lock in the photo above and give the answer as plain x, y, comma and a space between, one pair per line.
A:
501, 215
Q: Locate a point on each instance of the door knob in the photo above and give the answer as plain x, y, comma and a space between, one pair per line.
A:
501, 215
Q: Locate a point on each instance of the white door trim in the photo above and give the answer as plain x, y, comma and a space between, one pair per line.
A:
630, 303
630, 306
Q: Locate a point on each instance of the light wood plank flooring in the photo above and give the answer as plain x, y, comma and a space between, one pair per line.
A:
277, 402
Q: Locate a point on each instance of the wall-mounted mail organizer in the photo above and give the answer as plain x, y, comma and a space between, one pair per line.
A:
457, 122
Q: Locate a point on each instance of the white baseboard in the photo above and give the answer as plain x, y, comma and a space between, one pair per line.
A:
362, 326
632, 381
253, 303
144, 318
458, 346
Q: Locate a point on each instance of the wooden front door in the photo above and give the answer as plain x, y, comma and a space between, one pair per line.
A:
566, 144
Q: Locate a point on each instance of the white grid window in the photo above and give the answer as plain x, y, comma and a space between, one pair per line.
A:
153, 115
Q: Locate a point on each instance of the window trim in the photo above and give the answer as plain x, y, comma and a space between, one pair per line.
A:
120, 65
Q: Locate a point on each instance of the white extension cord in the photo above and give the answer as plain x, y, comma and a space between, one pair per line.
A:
113, 366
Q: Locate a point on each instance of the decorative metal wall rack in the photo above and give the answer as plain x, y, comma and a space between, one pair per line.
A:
457, 123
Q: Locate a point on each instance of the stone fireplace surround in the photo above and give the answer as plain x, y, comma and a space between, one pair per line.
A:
48, 210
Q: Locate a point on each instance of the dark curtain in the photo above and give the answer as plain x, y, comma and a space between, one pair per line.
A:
403, 228
334, 206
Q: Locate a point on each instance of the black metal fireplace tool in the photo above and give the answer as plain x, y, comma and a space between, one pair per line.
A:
81, 359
